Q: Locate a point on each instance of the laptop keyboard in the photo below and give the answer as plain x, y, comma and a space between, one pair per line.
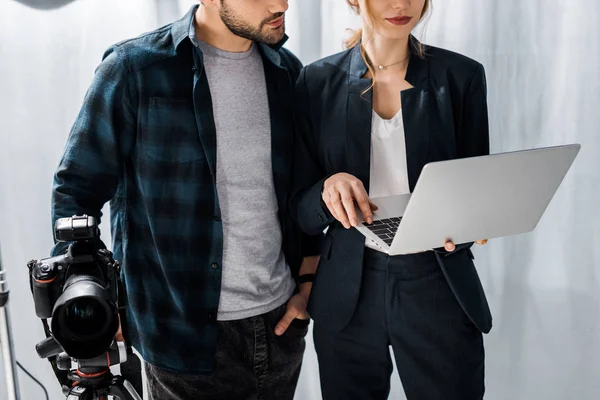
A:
385, 229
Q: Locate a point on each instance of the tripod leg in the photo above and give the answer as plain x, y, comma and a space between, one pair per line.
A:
8, 353
7, 350
121, 389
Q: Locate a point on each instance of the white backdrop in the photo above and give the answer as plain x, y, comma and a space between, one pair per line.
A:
542, 63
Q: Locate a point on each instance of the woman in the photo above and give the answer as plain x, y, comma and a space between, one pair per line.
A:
368, 120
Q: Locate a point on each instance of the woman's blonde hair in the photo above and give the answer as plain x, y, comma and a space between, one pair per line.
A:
356, 36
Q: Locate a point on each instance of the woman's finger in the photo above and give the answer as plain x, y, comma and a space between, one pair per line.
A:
327, 201
349, 207
338, 209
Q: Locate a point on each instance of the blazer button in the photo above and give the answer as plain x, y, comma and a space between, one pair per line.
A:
217, 218
215, 265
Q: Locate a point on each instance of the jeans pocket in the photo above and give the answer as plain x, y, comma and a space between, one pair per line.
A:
298, 330
300, 323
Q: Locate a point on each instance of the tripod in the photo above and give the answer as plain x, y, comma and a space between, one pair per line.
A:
8, 352
99, 385
92, 379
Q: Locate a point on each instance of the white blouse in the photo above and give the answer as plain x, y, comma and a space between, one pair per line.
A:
389, 173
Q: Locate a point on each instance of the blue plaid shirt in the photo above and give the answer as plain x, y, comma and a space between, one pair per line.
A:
145, 141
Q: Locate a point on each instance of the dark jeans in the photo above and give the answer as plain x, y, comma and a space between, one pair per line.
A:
251, 363
405, 302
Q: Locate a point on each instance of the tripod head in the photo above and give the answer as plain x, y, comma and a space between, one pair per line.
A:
91, 379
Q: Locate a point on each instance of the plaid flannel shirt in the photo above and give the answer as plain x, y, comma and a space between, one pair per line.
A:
145, 141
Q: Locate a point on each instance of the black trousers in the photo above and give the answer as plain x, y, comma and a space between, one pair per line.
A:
406, 303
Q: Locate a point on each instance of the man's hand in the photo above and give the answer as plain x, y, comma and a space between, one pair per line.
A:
296, 308
450, 246
341, 193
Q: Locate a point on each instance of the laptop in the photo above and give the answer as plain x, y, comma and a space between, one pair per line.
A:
470, 199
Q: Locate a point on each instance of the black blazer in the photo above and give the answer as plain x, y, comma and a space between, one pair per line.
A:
445, 117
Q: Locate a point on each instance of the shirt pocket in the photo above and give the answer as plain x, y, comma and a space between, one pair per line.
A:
170, 133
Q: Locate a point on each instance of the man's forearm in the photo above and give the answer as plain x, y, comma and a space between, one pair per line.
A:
309, 266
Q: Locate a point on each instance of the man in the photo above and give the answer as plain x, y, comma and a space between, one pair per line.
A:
187, 130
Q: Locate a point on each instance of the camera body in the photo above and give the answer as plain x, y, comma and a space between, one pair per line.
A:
78, 290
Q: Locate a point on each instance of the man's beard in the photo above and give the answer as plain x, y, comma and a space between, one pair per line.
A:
241, 28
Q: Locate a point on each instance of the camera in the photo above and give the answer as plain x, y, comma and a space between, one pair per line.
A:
78, 290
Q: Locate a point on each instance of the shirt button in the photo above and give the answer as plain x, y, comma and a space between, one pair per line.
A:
215, 265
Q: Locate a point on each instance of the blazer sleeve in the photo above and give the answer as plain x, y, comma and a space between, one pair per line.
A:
474, 134
308, 176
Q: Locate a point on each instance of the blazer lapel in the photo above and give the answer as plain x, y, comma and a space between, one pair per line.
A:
358, 124
418, 109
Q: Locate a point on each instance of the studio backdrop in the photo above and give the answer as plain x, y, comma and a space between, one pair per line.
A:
542, 60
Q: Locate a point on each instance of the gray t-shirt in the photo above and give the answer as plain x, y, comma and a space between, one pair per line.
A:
256, 278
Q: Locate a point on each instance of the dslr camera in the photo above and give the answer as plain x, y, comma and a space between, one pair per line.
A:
79, 291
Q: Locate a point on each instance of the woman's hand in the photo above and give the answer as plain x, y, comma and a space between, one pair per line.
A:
450, 246
341, 193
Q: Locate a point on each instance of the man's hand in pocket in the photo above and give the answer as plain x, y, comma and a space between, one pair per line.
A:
296, 308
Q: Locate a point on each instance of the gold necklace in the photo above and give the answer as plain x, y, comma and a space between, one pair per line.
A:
382, 67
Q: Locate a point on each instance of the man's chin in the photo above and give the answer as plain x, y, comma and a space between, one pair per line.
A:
267, 36
274, 37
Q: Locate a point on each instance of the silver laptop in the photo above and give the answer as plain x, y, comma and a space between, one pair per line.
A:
471, 199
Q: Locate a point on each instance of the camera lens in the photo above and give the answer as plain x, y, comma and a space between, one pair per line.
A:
85, 316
